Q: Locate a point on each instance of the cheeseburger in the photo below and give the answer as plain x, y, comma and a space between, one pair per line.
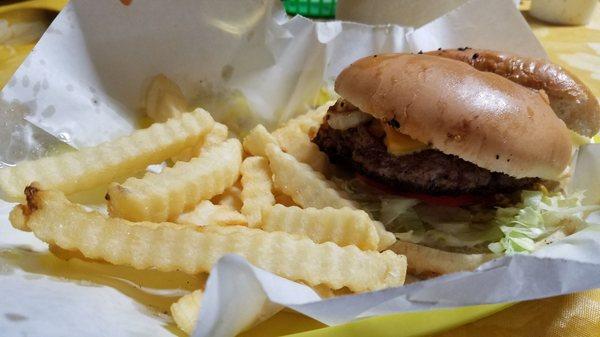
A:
464, 151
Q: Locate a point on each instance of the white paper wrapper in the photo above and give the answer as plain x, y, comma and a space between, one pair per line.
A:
83, 84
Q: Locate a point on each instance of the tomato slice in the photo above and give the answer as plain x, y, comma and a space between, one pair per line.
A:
440, 200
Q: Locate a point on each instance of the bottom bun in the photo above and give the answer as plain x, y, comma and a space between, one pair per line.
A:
426, 262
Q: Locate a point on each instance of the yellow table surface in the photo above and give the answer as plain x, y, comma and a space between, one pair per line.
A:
576, 48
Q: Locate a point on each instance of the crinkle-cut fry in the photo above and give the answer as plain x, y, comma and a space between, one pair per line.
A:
164, 99
323, 291
256, 188
342, 226
231, 197
217, 135
186, 310
168, 247
309, 122
299, 145
95, 166
257, 139
283, 199
307, 187
292, 140
163, 196
386, 238
208, 214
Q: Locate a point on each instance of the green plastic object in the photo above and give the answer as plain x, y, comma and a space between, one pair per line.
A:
311, 8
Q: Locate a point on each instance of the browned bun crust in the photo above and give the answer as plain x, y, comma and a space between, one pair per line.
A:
479, 116
570, 98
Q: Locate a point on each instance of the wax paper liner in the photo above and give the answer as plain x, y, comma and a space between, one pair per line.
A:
84, 84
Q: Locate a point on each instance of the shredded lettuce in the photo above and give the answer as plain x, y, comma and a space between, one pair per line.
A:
399, 210
505, 230
538, 215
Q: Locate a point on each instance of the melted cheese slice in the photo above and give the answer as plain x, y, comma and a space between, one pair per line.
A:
400, 144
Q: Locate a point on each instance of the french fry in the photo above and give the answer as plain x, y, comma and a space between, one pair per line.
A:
231, 197
208, 214
386, 238
292, 140
295, 136
95, 166
323, 291
310, 122
283, 199
186, 310
217, 135
257, 139
191, 249
343, 226
163, 196
307, 187
256, 188
164, 99
299, 145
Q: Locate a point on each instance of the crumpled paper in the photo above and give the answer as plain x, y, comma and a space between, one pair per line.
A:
84, 84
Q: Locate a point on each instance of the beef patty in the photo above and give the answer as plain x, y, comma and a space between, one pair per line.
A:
429, 171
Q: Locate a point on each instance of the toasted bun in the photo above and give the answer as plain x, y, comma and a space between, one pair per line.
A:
479, 116
571, 99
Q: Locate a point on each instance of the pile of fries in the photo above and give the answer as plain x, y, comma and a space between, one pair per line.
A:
265, 198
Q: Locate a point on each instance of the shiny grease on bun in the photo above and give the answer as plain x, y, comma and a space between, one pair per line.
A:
479, 116
571, 99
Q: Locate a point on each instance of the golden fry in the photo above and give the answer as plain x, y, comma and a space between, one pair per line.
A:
295, 136
343, 226
307, 187
386, 238
283, 199
257, 139
217, 135
169, 247
292, 140
186, 311
164, 99
310, 122
163, 196
208, 214
256, 188
299, 145
231, 197
95, 166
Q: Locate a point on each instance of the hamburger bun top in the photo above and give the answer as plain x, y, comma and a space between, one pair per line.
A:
570, 98
478, 116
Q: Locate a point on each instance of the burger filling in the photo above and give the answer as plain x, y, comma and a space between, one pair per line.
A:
376, 150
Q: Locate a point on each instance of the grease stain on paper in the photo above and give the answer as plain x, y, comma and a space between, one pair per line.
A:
14, 317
